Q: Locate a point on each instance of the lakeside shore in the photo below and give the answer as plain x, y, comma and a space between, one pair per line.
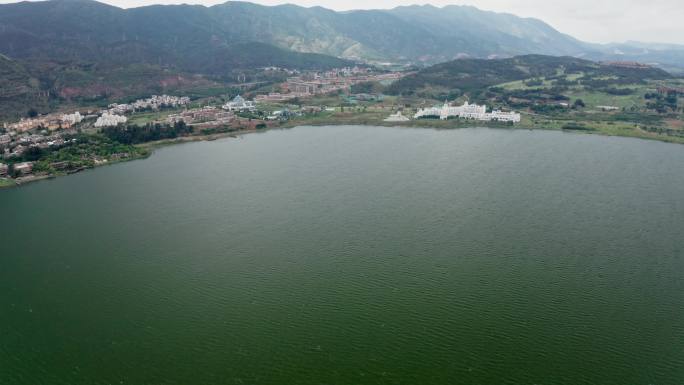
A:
352, 119
149, 147
529, 122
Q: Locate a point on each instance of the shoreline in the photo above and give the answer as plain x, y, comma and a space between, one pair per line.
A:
7, 183
449, 125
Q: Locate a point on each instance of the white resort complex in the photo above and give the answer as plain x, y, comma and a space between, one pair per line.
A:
467, 111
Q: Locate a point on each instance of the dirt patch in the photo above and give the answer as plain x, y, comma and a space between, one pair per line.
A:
677, 124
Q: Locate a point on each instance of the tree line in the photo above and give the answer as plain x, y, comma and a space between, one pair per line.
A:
135, 134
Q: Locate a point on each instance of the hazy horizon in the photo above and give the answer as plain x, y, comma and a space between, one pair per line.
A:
590, 21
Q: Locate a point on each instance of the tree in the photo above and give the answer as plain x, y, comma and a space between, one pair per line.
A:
579, 103
13, 172
33, 154
32, 113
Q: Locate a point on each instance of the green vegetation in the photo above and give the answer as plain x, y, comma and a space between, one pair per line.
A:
519, 74
5, 182
81, 151
20, 93
638, 124
147, 117
559, 93
134, 134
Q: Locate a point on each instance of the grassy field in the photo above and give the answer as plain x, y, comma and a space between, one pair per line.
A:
597, 98
149, 117
546, 83
520, 85
7, 183
591, 97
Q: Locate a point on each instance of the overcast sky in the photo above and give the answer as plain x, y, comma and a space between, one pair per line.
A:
589, 20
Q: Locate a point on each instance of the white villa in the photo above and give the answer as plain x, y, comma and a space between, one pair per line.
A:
467, 111
109, 120
240, 104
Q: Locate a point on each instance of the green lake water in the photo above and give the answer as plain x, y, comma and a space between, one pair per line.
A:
352, 255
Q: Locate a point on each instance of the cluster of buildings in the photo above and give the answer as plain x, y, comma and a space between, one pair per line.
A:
156, 102
317, 83
13, 146
16, 145
54, 122
276, 97
203, 117
212, 117
49, 122
467, 111
112, 116
21, 169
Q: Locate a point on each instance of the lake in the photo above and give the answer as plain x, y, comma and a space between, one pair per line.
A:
352, 255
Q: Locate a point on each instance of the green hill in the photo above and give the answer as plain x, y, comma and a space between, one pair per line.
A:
476, 75
15, 80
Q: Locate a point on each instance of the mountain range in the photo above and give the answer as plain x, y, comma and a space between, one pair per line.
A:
192, 37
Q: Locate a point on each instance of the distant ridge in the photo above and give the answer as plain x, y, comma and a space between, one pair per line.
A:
86, 29
182, 37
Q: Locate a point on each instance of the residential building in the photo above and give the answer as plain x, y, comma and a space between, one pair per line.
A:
5, 140
24, 168
204, 115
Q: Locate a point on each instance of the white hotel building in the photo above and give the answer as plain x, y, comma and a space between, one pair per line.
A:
467, 111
